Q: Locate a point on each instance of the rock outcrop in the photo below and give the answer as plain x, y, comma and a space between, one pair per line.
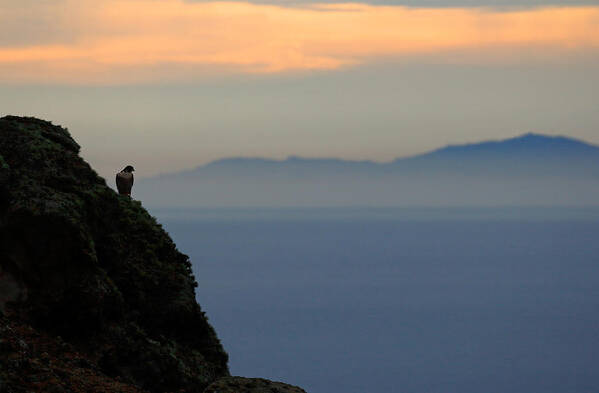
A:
250, 385
94, 295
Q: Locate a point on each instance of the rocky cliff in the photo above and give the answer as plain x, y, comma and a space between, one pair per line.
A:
94, 295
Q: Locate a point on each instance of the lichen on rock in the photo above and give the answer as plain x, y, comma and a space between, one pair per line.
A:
98, 271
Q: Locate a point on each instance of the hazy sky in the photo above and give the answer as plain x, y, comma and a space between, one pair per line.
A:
171, 84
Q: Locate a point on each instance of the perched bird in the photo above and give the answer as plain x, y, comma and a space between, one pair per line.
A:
124, 180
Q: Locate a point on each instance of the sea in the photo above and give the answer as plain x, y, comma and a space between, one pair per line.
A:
415, 300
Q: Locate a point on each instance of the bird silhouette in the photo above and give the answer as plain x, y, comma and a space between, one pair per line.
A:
124, 181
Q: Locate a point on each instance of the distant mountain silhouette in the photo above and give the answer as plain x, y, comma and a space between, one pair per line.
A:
524, 144
530, 169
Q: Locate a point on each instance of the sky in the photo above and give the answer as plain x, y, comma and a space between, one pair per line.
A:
167, 85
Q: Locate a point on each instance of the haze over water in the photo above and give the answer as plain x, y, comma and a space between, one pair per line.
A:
401, 300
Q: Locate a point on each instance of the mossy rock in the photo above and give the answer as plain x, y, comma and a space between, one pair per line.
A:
96, 268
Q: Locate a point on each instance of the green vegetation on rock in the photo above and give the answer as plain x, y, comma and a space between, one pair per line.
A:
80, 263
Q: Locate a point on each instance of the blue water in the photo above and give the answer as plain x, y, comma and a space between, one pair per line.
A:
423, 303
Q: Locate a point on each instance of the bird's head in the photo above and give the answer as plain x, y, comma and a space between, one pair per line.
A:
128, 168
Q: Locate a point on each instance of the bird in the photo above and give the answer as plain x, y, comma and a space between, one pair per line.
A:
124, 181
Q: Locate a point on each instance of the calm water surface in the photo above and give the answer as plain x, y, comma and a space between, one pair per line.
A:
423, 303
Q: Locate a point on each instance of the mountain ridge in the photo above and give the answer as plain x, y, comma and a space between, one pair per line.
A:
529, 142
530, 169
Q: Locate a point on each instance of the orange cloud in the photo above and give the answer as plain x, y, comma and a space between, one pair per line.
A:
120, 41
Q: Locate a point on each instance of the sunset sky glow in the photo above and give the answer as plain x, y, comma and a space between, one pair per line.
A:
133, 41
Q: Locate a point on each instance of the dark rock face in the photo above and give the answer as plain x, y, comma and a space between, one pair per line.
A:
79, 262
250, 385
31, 361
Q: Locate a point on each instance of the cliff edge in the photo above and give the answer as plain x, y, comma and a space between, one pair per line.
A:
94, 295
